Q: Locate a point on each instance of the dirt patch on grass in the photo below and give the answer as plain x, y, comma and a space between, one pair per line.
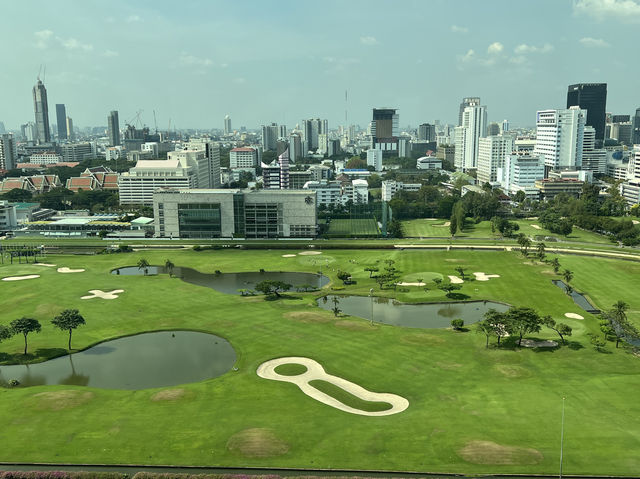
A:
549, 272
487, 452
512, 371
308, 316
47, 309
422, 339
453, 260
58, 400
257, 442
355, 325
448, 366
169, 395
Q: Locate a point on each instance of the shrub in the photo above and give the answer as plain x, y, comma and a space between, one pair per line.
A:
457, 324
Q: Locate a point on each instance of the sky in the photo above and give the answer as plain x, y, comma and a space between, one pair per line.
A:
263, 61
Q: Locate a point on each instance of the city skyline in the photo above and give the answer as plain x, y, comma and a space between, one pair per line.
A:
211, 60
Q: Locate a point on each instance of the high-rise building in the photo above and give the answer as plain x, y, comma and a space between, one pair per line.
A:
41, 110
560, 137
2, 130
492, 151
505, 126
227, 125
311, 129
469, 101
270, 136
593, 159
69, 128
61, 116
295, 147
28, 131
8, 154
493, 129
427, 132
211, 154
113, 126
245, 157
520, 172
374, 158
282, 131
474, 127
385, 130
593, 98
636, 127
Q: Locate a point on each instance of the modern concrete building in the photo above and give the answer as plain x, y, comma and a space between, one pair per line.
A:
227, 125
428, 163
212, 213
41, 111
113, 127
374, 158
427, 132
70, 134
492, 151
385, 130
45, 158
493, 129
245, 157
212, 153
391, 187
404, 147
560, 137
61, 116
551, 187
520, 172
295, 148
8, 152
270, 136
593, 159
468, 101
467, 136
8, 218
340, 191
77, 151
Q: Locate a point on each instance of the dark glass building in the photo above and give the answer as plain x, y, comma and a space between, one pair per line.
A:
61, 118
593, 98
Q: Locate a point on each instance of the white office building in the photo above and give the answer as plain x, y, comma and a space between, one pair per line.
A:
8, 153
520, 172
45, 158
593, 159
429, 163
8, 218
560, 136
212, 154
467, 136
391, 187
492, 151
374, 158
244, 157
630, 189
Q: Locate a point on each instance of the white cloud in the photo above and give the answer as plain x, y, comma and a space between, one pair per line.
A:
524, 48
42, 38
495, 48
467, 57
110, 54
459, 29
74, 44
133, 18
594, 42
623, 10
369, 40
187, 59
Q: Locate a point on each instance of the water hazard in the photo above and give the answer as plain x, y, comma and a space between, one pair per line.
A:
149, 360
230, 283
578, 298
389, 311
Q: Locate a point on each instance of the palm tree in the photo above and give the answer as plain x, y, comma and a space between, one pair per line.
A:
541, 250
168, 264
524, 243
567, 275
143, 264
555, 263
620, 310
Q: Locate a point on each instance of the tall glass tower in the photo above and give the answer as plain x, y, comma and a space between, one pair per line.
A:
593, 98
61, 117
41, 110
113, 125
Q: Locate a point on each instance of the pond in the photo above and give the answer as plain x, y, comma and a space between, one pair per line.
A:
389, 311
230, 283
149, 360
578, 298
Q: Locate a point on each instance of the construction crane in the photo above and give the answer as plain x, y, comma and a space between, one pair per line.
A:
155, 122
135, 119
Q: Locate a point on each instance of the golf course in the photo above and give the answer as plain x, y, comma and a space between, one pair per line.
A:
457, 406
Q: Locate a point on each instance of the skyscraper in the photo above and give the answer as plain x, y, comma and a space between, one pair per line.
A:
70, 134
41, 110
113, 125
636, 127
474, 127
311, 129
385, 129
270, 137
469, 101
593, 98
8, 154
61, 117
227, 125
427, 132
492, 151
560, 137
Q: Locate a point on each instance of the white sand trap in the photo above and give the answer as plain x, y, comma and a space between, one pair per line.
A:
309, 253
411, 284
44, 264
20, 278
289, 255
448, 223
69, 270
530, 343
455, 280
536, 227
315, 371
635, 222
573, 316
98, 293
485, 277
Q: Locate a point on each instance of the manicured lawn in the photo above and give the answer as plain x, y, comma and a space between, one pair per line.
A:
472, 410
353, 227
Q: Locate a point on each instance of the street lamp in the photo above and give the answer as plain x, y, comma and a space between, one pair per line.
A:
371, 296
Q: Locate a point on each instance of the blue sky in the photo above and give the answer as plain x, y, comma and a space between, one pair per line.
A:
280, 61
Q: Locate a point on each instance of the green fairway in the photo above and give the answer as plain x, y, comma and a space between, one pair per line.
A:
471, 410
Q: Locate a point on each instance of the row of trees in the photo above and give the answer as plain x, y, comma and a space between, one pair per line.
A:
67, 320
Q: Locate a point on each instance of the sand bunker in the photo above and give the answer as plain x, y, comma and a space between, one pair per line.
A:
573, 316
635, 222
309, 253
44, 264
20, 278
536, 227
315, 371
530, 343
289, 255
455, 279
69, 270
411, 284
98, 293
485, 277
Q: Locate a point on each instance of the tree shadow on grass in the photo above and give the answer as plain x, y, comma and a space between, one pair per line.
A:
574, 345
273, 297
458, 296
42, 354
49, 353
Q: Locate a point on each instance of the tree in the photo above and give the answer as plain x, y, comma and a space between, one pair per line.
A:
5, 332
453, 226
270, 287
25, 326
540, 248
457, 324
336, 310
523, 321
356, 163
395, 229
568, 289
449, 288
598, 343
525, 244
560, 328
371, 270
168, 265
620, 327
486, 328
343, 276
143, 265
17, 194
498, 323
461, 272
567, 276
68, 320
555, 264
